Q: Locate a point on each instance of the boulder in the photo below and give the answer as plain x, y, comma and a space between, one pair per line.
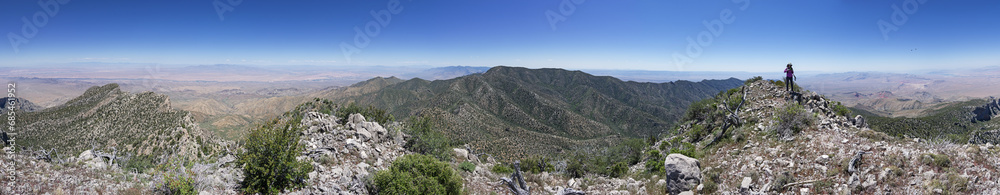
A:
461, 153
86, 155
355, 118
90, 160
373, 127
682, 173
859, 121
363, 134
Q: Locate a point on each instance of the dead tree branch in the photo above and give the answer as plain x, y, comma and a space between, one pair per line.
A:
518, 188
733, 118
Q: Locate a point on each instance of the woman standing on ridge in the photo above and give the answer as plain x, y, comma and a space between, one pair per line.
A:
789, 78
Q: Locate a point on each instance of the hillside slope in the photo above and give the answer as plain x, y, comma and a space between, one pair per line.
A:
512, 112
104, 118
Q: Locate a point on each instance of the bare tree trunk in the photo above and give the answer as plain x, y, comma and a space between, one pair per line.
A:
518, 188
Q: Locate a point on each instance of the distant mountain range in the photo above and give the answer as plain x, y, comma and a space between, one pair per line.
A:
516, 111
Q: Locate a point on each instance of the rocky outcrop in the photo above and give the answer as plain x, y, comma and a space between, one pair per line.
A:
683, 173
91, 161
986, 112
20, 104
344, 157
991, 137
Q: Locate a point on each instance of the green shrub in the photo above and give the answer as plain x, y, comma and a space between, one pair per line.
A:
575, 168
467, 166
952, 183
268, 158
177, 185
618, 170
841, 110
697, 132
779, 82
654, 162
426, 140
632, 150
753, 79
700, 110
712, 180
792, 119
418, 174
687, 149
535, 164
938, 160
501, 169
141, 163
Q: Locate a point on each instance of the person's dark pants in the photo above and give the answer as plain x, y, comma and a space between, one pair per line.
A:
789, 84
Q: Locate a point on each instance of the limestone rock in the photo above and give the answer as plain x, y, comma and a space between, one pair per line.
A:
461, 153
682, 173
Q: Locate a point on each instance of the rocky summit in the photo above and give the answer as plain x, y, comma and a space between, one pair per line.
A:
832, 153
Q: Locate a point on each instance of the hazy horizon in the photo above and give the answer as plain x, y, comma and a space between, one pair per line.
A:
752, 36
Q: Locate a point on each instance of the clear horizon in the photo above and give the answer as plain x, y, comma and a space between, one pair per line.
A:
751, 36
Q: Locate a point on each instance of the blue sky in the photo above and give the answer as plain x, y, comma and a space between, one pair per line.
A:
823, 35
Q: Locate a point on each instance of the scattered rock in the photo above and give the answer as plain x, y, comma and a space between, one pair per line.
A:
745, 185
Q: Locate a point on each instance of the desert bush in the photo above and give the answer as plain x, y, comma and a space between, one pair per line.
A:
779, 82
753, 79
874, 135
841, 110
501, 169
536, 164
937, 160
686, 149
712, 180
792, 119
951, 183
700, 110
268, 158
618, 170
575, 168
418, 174
141, 163
426, 140
467, 166
632, 150
178, 185
781, 180
654, 162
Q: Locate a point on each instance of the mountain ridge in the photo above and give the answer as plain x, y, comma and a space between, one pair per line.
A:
140, 125
566, 110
